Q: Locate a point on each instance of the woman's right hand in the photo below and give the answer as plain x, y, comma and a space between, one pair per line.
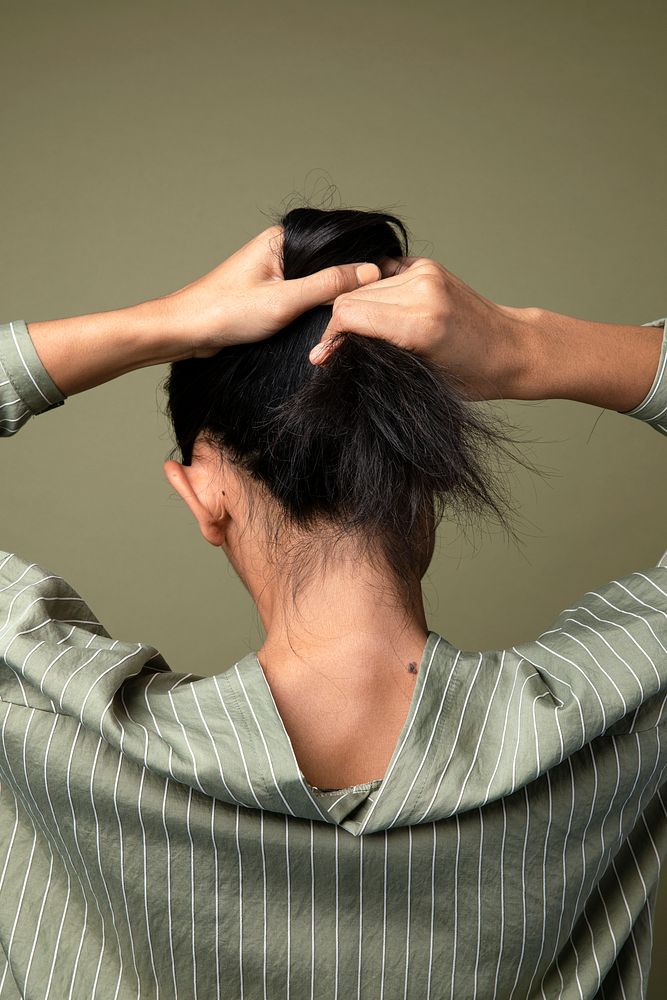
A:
421, 306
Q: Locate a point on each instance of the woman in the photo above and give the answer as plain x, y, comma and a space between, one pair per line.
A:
359, 808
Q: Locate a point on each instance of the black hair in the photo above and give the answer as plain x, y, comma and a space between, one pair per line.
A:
376, 443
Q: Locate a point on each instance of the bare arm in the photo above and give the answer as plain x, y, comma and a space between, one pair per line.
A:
498, 352
243, 299
606, 364
80, 352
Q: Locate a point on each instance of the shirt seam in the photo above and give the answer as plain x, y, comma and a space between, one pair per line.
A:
34, 708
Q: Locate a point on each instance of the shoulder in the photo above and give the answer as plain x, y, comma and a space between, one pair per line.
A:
29, 592
606, 655
52, 645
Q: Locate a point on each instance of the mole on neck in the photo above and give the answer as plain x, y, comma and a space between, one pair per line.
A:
412, 667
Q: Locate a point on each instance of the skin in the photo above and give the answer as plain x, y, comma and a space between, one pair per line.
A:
343, 665
498, 352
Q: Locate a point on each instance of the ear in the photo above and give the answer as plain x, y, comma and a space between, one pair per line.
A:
183, 478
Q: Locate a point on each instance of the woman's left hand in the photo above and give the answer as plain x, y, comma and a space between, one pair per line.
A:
246, 298
243, 299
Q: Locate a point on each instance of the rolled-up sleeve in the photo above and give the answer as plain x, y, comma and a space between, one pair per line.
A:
26, 388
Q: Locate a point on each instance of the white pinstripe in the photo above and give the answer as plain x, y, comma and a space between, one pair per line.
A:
393, 763
641, 649
479, 897
361, 913
541, 670
144, 852
408, 895
502, 899
121, 874
238, 743
289, 908
586, 666
430, 951
384, 914
238, 851
169, 893
597, 664
482, 731
312, 915
217, 902
27, 369
583, 863
262, 846
523, 894
456, 904
266, 749
518, 732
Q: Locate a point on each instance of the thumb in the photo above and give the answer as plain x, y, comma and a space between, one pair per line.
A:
324, 286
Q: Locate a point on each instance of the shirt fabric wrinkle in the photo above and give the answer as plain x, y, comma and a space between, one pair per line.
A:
159, 840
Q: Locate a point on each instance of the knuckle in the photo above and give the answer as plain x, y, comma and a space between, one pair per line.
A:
426, 265
424, 282
338, 283
343, 307
432, 285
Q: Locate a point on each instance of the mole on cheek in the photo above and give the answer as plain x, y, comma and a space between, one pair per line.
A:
412, 667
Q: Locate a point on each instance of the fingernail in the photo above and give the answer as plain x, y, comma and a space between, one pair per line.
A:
367, 272
317, 352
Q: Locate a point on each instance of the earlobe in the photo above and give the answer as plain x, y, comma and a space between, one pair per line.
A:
179, 477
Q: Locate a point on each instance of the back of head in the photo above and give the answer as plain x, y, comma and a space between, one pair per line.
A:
372, 445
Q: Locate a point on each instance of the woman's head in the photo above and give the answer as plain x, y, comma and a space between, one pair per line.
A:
362, 454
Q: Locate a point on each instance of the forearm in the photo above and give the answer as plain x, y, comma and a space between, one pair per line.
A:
610, 365
81, 352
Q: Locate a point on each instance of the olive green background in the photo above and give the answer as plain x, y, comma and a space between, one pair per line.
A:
523, 144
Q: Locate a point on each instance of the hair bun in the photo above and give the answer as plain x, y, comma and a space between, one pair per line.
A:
377, 441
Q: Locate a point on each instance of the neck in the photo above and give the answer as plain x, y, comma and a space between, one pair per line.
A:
342, 667
347, 630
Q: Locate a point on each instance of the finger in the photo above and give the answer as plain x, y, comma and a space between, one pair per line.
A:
405, 270
369, 318
391, 266
380, 287
324, 286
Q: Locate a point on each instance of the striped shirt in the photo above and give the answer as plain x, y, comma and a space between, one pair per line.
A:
159, 840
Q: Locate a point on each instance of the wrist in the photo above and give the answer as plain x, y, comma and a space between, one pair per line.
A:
152, 333
523, 369
80, 352
610, 365
189, 323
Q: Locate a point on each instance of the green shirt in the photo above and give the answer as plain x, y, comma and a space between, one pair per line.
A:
158, 839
